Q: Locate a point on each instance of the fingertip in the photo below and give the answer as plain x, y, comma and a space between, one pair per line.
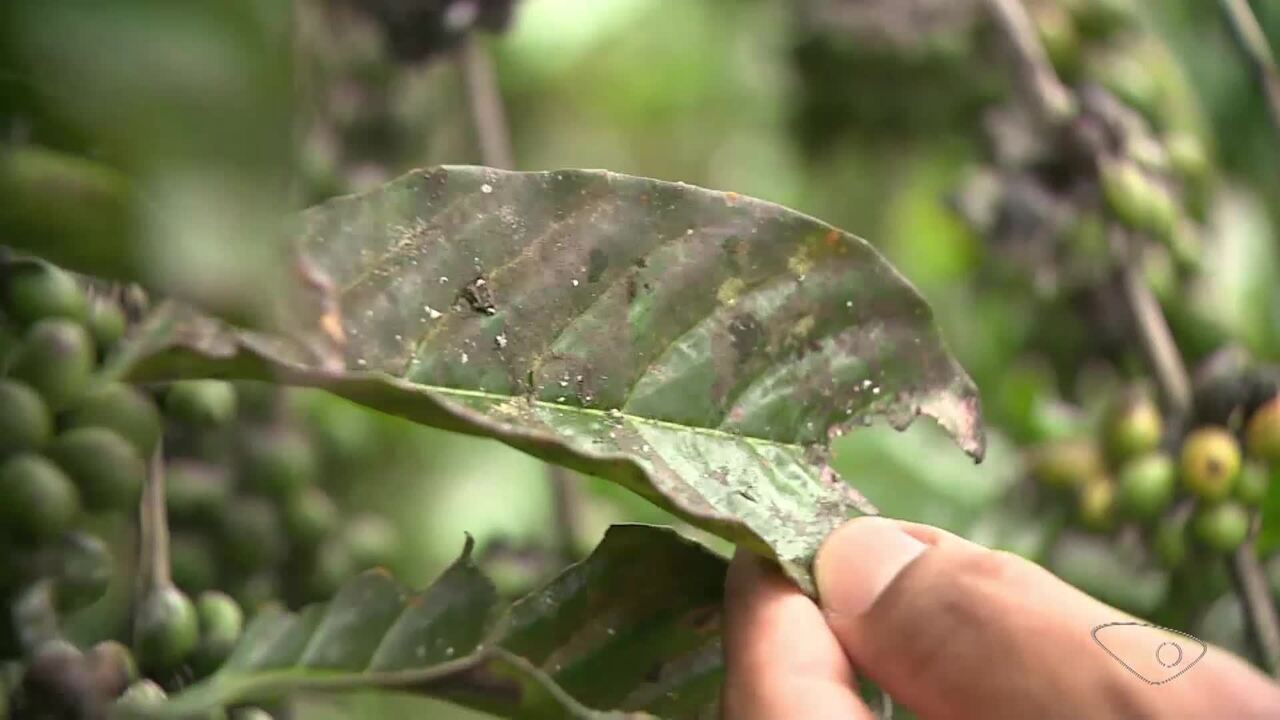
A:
859, 560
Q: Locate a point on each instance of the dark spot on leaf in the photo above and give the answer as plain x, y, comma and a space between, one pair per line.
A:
477, 296
597, 263
748, 496
744, 334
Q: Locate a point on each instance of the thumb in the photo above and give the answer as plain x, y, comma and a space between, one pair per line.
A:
954, 630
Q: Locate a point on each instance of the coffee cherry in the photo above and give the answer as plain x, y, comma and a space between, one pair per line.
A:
309, 516
1210, 463
221, 622
38, 501
143, 693
1133, 428
59, 684
201, 403
1252, 484
1262, 433
1127, 193
166, 631
1066, 463
107, 323
252, 537
278, 462
1170, 542
105, 467
193, 563
328, 568
250, 713
122, 408
372, 540
1147, 485
85, 568
196, 491
1100, 19
56, 359
1096, 504
1221, 527
37, 290
25, 421
112, 667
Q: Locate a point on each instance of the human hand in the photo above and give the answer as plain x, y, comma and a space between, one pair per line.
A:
950, 629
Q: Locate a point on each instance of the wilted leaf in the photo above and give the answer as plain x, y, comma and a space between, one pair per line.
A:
698, 347
634, 628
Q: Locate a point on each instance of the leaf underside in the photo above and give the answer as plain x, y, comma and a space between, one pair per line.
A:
635, 628
698, 347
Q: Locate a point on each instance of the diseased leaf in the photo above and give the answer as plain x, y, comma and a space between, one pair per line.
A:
635, 628
698, 347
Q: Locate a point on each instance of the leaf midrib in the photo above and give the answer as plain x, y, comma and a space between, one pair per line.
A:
608, 415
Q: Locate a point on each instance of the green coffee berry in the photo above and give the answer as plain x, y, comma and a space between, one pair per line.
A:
202, 403
1096, 504
1222, 527
37, 290
252, 536
25, 421
309, 516
250, 713
1252, 484
196, 491
112, 666
85, 568
1100, 19
330, 566
278, 462
1126, 191
38, 501
1210, 463
123, 408
107, 323
166, 631
1188, 156
1066, 463
1146, 485
192, 561
56, 359
1262, 433
143, 693
258, 590
372, 539
108, 470
1170, 542
1133, 428
221, 622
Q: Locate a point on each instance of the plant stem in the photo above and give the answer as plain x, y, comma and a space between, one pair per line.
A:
1255, 595
153, 531
1037, 80
1253, 43
1044, 91
493, 136
1157, 341
487, 112
567, 515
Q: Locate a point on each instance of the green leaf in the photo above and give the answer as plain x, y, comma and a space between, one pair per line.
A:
635, 627
698, 347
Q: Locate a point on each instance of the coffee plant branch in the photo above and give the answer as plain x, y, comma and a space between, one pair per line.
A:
1051, 101
493, 139
1253, 43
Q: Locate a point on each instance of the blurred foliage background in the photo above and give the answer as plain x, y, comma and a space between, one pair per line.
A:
867, 115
